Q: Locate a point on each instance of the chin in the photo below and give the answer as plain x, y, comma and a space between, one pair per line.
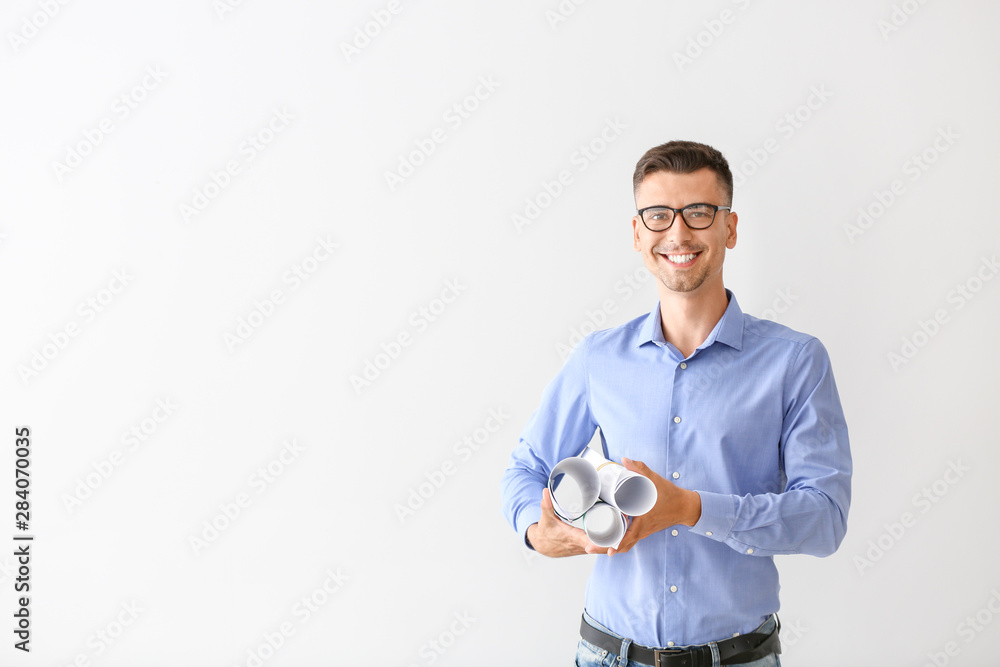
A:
681, 287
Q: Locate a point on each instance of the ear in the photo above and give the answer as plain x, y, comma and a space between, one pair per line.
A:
731, 221
636, 222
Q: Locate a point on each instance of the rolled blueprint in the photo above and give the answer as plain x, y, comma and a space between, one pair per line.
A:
629, 491
605, 526
595, 494
574, 485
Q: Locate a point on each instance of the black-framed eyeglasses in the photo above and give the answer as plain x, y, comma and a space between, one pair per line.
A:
696, 216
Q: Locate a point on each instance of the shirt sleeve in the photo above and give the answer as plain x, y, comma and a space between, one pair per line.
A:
810, 516
560, 427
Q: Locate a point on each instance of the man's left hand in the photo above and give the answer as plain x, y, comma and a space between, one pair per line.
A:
674, 506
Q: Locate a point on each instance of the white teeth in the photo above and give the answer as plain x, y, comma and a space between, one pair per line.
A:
681, 259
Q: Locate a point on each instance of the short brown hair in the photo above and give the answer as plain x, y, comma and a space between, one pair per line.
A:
684, 157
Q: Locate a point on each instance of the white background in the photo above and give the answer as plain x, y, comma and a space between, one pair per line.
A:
449, 582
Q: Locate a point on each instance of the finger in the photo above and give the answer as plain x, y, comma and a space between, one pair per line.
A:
635, 466
627, 543
581, 540
592, 548
625, 546
548, 510
630, 538
546, 499
644, 470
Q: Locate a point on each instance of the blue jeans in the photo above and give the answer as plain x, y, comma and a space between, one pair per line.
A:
588, 655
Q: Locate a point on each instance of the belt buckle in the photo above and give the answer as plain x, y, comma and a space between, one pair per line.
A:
695, 657
666, 651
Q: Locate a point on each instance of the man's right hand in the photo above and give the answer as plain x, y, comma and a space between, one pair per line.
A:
554, 538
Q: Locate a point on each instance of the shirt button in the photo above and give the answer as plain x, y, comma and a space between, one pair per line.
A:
708, 532
676, 475
673, 589
683, 365
670, 643
736, 634
677, 420
750, 551
674, 532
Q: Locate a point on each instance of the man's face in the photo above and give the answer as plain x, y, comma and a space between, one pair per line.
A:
683, 259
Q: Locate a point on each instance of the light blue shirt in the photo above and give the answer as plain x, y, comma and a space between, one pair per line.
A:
751, 421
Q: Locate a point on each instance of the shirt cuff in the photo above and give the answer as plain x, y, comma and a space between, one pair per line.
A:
528, 516
718, 514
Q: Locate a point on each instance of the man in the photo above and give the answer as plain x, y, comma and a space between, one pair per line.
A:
736, 420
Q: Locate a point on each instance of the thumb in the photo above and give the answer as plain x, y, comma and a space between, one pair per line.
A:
547, 502
636, 466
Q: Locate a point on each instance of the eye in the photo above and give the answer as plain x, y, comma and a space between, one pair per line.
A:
658, 215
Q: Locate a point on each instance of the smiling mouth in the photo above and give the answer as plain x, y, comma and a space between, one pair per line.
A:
681, 260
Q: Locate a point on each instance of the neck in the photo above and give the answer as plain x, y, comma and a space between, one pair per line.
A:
687, 318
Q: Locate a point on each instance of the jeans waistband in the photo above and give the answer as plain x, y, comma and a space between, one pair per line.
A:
766, 627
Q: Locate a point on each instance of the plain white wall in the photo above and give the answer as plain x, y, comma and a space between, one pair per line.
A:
821, 109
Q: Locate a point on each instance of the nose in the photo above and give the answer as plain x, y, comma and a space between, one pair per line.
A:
679, 231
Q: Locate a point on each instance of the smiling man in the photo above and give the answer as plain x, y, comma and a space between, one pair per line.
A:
736, 420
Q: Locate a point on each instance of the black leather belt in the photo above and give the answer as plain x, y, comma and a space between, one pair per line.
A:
735, 651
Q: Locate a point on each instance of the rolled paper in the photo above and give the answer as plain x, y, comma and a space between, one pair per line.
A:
628, 491
595, 494
605, 526
575, 486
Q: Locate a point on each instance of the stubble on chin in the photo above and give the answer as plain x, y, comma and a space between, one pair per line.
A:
686, 281
676, 284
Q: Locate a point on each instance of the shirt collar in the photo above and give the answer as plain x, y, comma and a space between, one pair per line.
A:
728, 330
